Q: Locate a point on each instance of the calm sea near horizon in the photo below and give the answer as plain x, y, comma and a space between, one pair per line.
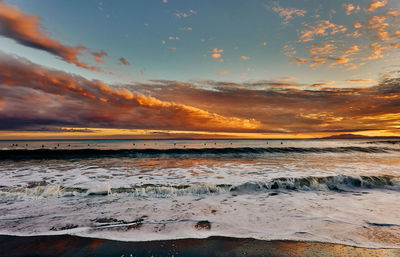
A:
338, 191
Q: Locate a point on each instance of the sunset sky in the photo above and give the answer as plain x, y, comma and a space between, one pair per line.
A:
199, 69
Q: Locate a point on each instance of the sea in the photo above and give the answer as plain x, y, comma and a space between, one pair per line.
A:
343, 191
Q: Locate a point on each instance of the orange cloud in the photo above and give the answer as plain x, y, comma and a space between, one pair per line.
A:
359, 80
378, 24
393, 13
26, 30
323, 84
221, 73
350, 7
35, 97
55, 97
289, 51
338, 51
216, 53
322, 28
294, 108
244, 57
376, 51
324, 49
318, 60
339, 60
352, 50
352, 66
355, 34
288, 13
2, 102
98, 56
376, 4
299, 61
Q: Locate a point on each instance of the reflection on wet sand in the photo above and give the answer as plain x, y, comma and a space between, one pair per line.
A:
213, 246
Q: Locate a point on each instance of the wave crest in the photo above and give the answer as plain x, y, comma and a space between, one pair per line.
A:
340, 183
22, 154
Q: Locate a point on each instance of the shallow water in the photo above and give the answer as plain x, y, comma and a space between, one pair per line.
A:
340, 191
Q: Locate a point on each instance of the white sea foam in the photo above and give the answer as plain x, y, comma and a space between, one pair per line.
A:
99, 189
348, 197
368, 219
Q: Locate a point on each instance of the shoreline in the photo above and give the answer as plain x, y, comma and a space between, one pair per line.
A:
68, 245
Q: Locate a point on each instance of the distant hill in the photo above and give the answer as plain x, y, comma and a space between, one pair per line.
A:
353, 136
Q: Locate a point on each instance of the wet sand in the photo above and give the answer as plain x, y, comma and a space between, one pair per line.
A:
65, 245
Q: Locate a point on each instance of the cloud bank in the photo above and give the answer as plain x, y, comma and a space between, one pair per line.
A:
32, 95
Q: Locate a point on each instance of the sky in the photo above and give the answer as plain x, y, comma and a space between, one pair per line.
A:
199, 69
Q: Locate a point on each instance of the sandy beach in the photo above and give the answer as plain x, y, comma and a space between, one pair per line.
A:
66, 245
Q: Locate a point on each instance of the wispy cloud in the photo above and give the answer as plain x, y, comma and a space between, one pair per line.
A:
323, 84
217, 53
326, 48
350, 8
123, 61
378, 24
289, 51
325, 43
185, 14
98, 56
376, 4
321, 28
359, 80
288, 13
27, 30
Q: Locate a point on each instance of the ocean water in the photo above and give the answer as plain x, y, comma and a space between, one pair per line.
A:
339, 191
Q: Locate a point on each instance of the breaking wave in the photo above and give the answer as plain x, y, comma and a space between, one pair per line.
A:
21, 154
340, 183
